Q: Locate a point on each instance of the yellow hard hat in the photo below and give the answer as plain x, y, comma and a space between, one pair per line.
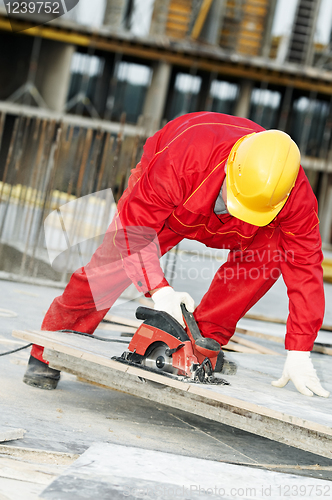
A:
261, 171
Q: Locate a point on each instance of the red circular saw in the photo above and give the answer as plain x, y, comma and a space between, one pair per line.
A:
162, 345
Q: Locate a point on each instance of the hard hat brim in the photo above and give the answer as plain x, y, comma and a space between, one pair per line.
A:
236, 209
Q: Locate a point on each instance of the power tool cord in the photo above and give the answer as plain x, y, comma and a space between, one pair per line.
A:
118, 341
16, 350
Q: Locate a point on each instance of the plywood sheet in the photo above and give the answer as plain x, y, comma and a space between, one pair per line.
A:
249, 403
10, 434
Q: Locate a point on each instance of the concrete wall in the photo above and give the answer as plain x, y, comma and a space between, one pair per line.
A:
243, 104
212, 26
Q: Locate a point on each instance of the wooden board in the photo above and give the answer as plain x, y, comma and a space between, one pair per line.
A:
233, 346
120, 320
111, 327
253, 345
10, 434
269, 319
317, 347
249, 403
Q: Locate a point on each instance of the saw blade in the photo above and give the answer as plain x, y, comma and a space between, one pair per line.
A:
158, 360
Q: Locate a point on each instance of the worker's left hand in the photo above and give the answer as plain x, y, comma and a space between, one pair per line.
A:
299, 369
168, 300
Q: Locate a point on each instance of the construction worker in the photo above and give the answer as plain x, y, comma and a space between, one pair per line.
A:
228, 183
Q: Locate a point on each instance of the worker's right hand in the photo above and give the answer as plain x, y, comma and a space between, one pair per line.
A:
168, 300
299, 369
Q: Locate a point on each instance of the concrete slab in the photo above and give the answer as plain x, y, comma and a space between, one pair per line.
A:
77, 414
117, 472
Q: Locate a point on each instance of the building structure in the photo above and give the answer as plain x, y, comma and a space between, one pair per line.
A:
217, 55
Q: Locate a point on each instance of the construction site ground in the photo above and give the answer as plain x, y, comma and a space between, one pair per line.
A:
61, 425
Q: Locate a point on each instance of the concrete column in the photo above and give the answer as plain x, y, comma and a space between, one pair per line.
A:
326, 222
157, 94
204, 102
103, 85
114, 13
212, 26
159, 17
53, 76
266, 45
242, 107
325, 208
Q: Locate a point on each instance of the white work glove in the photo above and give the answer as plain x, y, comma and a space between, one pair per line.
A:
168, 300
299, 369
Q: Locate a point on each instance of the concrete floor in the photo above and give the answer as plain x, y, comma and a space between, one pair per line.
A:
78, 414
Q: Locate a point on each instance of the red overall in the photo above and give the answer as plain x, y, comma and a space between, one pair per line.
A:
173, 191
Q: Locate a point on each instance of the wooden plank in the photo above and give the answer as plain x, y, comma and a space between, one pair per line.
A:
25, 472
317, 347
83, 348
112, 318
111, 327
10, 434
261, 335
38, 456
253, 345
322, 349
262, 317
269, 319
233, 346
292, 426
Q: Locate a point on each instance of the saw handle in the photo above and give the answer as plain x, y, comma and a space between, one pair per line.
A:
201, 343
191, 322
146, 313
